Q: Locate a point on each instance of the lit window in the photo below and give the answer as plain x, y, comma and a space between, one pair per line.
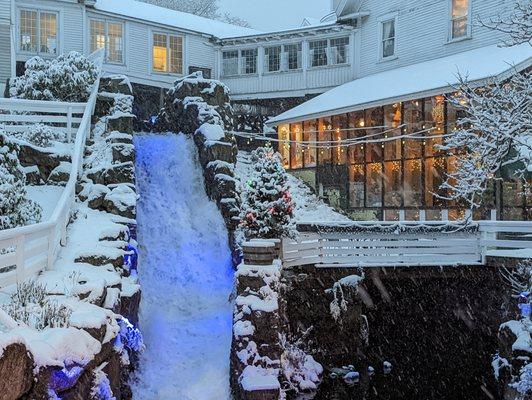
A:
340, 51
38, 32
167, 53
109, 36
388, 38
249, 61
318, 53
459, 18
230, 62
272, 59
292, 56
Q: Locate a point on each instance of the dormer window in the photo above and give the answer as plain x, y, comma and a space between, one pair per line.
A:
459, 27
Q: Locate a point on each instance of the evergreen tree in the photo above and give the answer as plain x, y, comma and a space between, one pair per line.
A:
15, 208
268, 209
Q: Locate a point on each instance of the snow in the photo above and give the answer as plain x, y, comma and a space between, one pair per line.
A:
46, 196
255, 378
435, 76
211, 132
176, 19
186, 275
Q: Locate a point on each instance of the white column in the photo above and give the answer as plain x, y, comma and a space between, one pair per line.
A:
260, 65
305, 63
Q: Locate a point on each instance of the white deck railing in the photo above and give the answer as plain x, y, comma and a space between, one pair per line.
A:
406, 244
27, 250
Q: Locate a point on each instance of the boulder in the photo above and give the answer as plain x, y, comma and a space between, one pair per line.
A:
97, 195
16, 372
120, 123
60, 174
121, 201
123, 152
44, 159
114, 174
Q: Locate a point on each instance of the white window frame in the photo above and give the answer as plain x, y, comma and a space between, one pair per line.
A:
284, 59
382, 20
241, 65
468, 35
168, 35
237, 62
58, 49
329, 52
267, 60
106, 22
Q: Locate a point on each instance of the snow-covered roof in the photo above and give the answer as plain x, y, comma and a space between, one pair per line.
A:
177, 19
414, 81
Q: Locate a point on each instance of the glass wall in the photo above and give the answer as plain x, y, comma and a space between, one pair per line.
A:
392, 159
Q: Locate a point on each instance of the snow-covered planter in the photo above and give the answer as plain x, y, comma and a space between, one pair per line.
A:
15, 207
42, 135
69, 77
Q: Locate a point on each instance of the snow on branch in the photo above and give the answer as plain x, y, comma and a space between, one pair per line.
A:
495, 131
518, 25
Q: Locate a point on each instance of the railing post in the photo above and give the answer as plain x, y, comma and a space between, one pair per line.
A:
468, 214
493, 215
51, 248
402, 215
422, 215
20, 271
445, 215
69, 124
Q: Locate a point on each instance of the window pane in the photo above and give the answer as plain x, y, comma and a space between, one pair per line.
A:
413, 183
434, 118
272, 59
374, 118
116, 43
309, 135
459, 18
230, 62
340, 50
176, 54
356, 122
97, 35
374, 187
284, 145
296, 154
160, 55
48, 27
392, 119
460, 8
324, 128
388, 38
249, 61
28, 30
293, 56
339, 134
392, 184
356, 186
413, 119
318, 53
434, 178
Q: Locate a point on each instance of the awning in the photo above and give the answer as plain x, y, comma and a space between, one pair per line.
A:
415, 81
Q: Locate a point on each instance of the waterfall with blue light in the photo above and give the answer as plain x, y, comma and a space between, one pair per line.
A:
186, 276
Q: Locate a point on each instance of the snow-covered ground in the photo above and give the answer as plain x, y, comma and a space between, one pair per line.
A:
309, 208
47, 197
186, 275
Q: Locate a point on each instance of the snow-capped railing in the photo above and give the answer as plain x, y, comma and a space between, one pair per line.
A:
27, 250
404, 244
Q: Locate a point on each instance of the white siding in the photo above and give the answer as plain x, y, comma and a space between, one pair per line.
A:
201, 53
5, 43
422, 31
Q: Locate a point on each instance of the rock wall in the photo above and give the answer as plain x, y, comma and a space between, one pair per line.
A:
201, 107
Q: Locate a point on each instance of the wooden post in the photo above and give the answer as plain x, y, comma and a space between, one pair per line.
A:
402, 215
493, 215
69, 124
445, 215
422, 215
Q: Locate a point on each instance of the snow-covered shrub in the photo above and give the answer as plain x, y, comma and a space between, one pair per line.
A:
42, 135
123, 104
101, 389
15, 208
524, 384
302, 373
339, 303
67, 78
267, 206
31, 306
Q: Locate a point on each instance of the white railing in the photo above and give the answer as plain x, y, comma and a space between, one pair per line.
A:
405, 244
27, 250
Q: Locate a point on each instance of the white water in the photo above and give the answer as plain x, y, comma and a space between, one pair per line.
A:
186, 277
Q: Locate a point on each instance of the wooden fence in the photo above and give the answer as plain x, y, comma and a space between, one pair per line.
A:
27, 250
405, 244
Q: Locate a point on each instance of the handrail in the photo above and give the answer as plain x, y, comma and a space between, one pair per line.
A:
20, 237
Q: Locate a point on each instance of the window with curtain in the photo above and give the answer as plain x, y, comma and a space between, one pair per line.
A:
167, 53
310, 129
109, 36
459, 18
38, 31
249, 61
340, 50
388, 38
272, 59
230, 62
318, 53
292, 56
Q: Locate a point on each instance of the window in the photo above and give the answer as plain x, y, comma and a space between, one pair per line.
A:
249, 61
318, 53
292, 55
230, 62
38, 31
340, 51
167, 53
459, 18
272, 59
388, 38
109, 36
